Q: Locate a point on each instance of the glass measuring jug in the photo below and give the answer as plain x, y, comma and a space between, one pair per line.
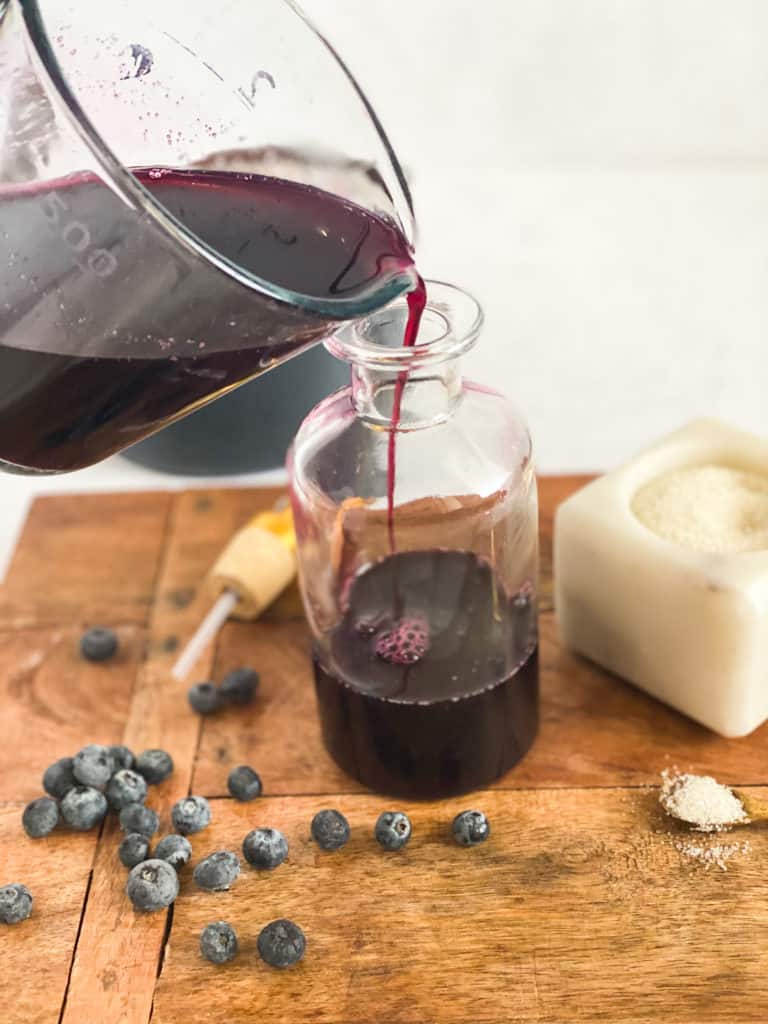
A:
187, 197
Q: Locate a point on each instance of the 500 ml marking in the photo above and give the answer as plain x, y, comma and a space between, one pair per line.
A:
77, 237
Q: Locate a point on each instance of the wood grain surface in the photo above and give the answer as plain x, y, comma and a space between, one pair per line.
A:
582, 907
576, 910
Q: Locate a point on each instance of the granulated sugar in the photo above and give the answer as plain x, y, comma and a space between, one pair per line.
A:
707, 508
714, 856
700, 801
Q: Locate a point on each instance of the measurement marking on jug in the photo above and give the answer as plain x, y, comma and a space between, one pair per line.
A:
76, 236
261, 76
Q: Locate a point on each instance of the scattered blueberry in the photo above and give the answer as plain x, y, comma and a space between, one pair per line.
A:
192, 814
40, 817
133, 850
154, 765
122, 756
93, 766
152, 885
218, 942
330, 830
471, 828
126, 787
218, 871
393, 830
58, 778
265, 848
175, 849
204, 698
239, 686
244, 783
83, 808
281, 943
98, 644
138, 818
15, 903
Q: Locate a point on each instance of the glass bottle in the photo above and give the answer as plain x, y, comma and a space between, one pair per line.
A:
425, 637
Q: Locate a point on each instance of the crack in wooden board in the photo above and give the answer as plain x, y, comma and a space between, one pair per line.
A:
53, 701
576, 910
37, 953
115, 969
88, 559
595, 731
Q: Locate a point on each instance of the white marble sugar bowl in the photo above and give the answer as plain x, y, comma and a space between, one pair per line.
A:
661, 574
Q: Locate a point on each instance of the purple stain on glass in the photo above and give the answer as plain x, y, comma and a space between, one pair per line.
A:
138, 62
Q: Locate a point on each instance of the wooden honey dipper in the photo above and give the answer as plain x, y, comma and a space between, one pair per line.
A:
257, 564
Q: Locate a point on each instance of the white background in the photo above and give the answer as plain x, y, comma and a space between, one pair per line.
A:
595, 171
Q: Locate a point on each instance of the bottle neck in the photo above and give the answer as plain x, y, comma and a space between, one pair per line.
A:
415, 385
430, 395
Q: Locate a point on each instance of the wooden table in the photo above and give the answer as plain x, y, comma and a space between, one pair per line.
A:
580, 908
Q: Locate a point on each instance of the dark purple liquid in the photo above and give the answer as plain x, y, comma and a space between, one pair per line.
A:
109, 330
417, 300
457, 717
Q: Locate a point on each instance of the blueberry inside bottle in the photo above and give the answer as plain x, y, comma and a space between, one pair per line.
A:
415, 506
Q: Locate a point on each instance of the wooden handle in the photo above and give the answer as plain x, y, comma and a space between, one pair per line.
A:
756, 807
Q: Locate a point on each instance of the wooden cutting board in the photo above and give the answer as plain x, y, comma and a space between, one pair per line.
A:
579, 909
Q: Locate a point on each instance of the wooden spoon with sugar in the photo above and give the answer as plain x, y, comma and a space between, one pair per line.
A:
705, 805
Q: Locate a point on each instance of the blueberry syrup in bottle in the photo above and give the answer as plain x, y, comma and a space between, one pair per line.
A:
442, 699
430, 685
417, 300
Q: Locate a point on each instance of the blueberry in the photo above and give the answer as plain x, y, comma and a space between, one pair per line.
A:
133, 850
152, 885
393, 830
83, 808
15, 903
281, 943
58, 778
126, 787
218, 871
244, 783
138, 818
218, 942
192, 814
265, 848
122, 757
330, 830
175, 849
239, 686
93, 766
40, 817
471, 828
154, 765
204, 698
98, 644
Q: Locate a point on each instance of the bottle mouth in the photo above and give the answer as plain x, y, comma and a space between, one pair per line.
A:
450, 324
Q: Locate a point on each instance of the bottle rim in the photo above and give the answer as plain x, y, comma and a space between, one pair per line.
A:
450, 326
